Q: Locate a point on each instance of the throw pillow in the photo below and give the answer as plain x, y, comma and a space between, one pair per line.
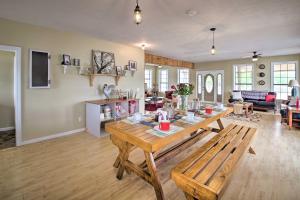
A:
237, 95
270, 98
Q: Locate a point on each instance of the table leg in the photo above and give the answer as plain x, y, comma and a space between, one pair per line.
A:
247, 111
124, 154
154, 177
290, 119
221, 126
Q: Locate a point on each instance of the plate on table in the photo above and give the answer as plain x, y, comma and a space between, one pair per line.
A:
193, 120
173, 129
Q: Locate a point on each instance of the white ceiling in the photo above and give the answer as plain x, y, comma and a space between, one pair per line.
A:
270, 26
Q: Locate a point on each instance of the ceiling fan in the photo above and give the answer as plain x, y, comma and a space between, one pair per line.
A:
255, 56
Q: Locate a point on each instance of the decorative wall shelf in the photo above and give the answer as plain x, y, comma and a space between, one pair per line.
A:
65, 67
92, 77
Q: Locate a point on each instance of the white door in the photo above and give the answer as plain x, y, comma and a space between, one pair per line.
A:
210, 85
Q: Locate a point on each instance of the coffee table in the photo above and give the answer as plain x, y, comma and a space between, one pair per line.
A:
248, 107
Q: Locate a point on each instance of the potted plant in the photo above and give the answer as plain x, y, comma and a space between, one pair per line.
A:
183, 90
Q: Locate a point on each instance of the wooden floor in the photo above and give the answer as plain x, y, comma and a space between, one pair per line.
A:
80, 167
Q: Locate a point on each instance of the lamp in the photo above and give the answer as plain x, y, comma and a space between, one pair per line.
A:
213, 49
294, 84
137, 13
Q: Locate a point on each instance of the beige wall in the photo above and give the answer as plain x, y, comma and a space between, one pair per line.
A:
7, 111
58, 109
227, 66
172, 75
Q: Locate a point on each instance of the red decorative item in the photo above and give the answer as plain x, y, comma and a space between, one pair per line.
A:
164, 125
297, 103
132, 107
208, 110
270, 98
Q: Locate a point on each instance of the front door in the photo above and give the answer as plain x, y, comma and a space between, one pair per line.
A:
210, 86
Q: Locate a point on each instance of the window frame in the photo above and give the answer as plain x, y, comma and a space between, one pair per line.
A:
178, 75
151, 78
167, 81
280, 63
234, 74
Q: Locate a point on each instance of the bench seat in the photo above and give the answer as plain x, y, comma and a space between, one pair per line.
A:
204, 174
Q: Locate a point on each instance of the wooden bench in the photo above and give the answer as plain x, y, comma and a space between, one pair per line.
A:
204, 174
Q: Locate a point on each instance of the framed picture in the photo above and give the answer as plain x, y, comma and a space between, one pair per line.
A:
132, 65
66, 59
119, 70
103, 62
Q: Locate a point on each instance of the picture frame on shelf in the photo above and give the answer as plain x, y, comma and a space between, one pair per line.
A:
66, 59
119, 70
132, 65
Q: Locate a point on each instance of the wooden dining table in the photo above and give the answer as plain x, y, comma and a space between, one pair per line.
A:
127, 137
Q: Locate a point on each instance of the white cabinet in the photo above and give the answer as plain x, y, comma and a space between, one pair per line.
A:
96, 116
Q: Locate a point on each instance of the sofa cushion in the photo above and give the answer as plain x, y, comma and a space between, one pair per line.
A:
237, 95
270, 98
257, 95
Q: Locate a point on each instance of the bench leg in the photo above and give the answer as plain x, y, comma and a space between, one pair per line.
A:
251, 151
154, 177
220, 124
188, 196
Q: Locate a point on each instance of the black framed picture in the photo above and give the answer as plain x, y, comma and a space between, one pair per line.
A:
66, 59
103, 62
132, 65
119, 70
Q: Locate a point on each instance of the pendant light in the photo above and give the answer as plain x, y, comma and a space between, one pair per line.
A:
213, 49
137, 13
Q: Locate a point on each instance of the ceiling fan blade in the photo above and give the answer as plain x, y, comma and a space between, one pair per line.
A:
247, 57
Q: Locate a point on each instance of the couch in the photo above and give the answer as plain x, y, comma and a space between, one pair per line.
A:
258, 98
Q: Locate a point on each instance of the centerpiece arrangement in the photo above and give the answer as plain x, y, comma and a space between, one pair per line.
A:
183, 90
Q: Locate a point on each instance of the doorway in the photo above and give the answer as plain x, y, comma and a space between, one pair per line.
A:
10, 101
210, 86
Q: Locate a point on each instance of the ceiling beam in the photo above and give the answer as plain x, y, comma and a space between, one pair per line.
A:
159, 60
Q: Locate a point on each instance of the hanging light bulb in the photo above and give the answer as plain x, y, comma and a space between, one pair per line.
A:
137, 13
213, 49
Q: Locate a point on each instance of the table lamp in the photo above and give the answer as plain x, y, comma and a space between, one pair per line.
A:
294, 84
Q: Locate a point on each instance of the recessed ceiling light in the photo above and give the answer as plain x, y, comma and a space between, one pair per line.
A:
191, 12
144, 45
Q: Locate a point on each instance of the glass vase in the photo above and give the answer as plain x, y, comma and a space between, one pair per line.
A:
184, 102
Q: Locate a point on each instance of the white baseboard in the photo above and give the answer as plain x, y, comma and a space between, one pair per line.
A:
7, 128
52, 136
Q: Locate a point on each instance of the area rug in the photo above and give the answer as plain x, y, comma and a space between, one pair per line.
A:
253, 117
7, 139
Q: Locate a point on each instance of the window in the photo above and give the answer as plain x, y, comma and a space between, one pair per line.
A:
183, 76
282, 73
163, 80
209, 83
219, 82
199, 82
148, 78
243, 79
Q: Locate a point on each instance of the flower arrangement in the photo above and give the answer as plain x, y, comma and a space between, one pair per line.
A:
183, 89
